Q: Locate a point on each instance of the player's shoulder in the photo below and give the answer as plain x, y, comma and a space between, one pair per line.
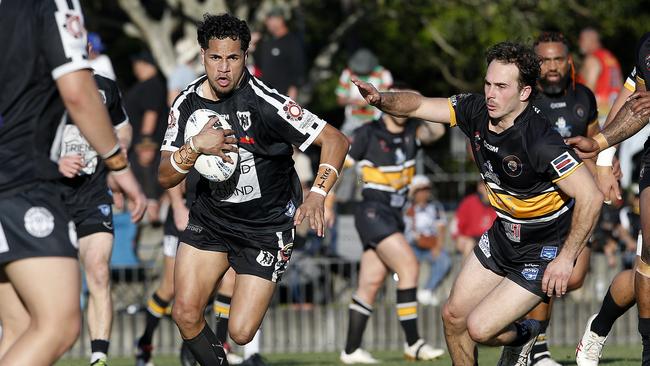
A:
187, 95
535, 123
464, 98
583, 90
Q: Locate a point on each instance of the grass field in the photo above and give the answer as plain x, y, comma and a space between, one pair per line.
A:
612, 356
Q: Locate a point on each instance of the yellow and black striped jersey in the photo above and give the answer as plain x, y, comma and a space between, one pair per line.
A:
520, 167
571, 112
386, 160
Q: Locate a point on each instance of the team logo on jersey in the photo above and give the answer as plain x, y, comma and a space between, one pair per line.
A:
512, 166
293, 111
244, 119
39, 222
530, 272
548, 253
285, 252
477, 141
562, 128
290, 210
490, 174
454, 99
564, 163
580, 110
104, 209
265, 259
74, 25
171, 120
484, 245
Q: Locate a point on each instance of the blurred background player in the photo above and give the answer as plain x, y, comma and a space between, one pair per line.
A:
426, 230
100, 62
572, 111
473, 217
45, 71
385, 151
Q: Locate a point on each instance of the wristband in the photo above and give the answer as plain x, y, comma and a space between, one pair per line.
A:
192, 145
111, 152
319, 191
606, 156
331, 167
177, 168
601, 140
117, 161
121, 171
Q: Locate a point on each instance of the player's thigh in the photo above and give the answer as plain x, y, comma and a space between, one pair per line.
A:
227, 284
397, 254
41, 280
95, 251
250, 300
13, 315
580, 269
506, 303
473, 284
196, 273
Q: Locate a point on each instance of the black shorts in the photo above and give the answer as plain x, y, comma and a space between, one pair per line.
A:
264, 255
376, 221
522, 264
88, 201
34, 223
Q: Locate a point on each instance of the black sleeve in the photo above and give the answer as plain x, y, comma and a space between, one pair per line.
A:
359, 142
465, 109
63, 37
113, 100
289, 121
643, 60
548, 153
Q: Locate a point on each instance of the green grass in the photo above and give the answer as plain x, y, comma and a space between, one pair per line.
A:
612, 356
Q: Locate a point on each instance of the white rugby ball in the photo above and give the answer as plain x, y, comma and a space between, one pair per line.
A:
211, 167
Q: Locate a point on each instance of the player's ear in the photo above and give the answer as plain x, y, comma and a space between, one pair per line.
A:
524, 93
202, 56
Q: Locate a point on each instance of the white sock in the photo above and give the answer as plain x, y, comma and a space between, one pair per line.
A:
96, 356
253, 346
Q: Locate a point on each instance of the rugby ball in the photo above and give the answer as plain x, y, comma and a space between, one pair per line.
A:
212, 167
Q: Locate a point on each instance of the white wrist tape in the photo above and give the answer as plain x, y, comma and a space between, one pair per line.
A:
331, 167
606, 157
111, 152
319, 191
176, 167
192, 145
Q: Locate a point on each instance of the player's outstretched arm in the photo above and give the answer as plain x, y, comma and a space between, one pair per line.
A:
334, 146
405, 103
83, 102
588, 200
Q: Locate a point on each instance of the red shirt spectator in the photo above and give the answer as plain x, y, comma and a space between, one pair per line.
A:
473, 217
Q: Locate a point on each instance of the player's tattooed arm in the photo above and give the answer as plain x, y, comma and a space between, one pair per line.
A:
185, 157
630, 119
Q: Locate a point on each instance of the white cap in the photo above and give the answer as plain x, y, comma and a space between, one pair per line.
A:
420, 181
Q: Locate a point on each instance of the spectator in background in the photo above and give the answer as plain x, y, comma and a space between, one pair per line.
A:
100, 63
146, 105
474, 216
600, 71
426, 226
184, 72
280, 57
364, 65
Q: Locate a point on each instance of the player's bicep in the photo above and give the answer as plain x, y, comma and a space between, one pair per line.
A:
580, 181
434, 110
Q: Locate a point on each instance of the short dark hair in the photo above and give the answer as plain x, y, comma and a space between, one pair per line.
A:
522, 56
551, 36
220, 27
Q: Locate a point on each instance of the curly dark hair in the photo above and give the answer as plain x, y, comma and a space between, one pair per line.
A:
551, 36
220, 27
522, 56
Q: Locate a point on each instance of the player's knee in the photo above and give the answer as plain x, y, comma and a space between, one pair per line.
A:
241, 334
478, 329
576, 281
451, 316
187, 315
98, 276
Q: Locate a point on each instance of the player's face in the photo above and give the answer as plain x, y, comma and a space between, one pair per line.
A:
555, 66
224, 63
502, 93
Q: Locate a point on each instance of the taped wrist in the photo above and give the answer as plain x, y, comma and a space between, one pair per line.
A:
325, 179
183, 159
117, 160
606, 157
602, 141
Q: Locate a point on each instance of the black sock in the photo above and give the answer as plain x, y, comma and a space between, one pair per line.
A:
523, 334
221, 308
540, 349
207, 349
99, 345
644, 329
359, 312
156, 308
407, 312
609, 312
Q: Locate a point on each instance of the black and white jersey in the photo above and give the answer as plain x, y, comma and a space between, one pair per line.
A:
69, 140
41, 41
386, 161
264, 194
571, 112
520, 167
